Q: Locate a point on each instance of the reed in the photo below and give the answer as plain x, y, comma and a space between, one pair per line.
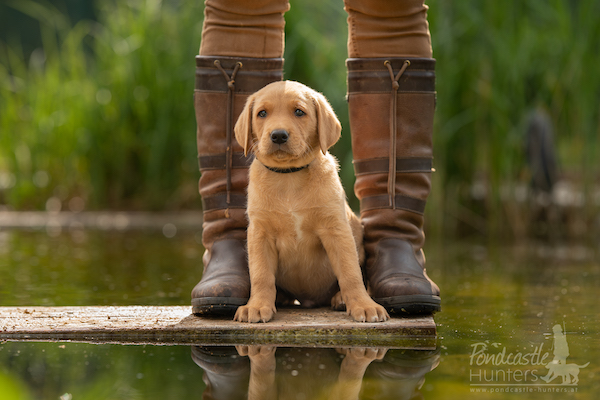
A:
498, 61
103, 111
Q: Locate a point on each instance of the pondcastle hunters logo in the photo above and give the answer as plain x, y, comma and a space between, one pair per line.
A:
541, 368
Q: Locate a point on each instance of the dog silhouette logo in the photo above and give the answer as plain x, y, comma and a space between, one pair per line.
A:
558, 367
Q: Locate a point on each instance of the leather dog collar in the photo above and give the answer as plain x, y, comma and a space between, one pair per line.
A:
286, 170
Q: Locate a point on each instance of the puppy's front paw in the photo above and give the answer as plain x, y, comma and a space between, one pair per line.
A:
368, 311
249, 313
364, 355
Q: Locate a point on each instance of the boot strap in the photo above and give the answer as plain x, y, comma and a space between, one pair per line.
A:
223, 201
219, 161
227, 200
254, 74
382, 165
370, 75
401, 202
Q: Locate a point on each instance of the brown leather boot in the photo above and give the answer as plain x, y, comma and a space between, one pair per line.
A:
222, 86
391, 103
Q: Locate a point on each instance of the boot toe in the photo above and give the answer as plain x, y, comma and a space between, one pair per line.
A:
408, 295
398, 282
225, 284
220, 297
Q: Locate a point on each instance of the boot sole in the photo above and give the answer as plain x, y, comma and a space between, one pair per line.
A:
411, 304
217, 305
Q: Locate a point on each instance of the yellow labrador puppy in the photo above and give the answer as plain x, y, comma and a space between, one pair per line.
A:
303, 238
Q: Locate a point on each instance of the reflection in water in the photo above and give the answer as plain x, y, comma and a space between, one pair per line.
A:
508, 295
268, 372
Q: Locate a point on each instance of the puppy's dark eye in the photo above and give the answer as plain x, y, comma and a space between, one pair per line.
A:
262, 113
299, 113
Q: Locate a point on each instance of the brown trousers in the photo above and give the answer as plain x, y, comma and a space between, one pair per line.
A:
376, 28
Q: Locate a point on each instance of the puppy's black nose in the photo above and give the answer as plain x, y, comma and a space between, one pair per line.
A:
279, 136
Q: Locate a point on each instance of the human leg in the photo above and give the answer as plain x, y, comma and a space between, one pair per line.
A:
391, 96
241, 51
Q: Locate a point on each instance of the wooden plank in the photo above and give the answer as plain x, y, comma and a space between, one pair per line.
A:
171, 325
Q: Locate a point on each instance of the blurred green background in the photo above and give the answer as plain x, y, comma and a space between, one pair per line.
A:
96, 107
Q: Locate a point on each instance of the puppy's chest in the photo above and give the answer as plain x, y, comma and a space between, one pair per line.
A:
296, 228
302, 259
291, 210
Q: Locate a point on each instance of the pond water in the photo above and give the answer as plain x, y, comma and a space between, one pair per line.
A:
497, 334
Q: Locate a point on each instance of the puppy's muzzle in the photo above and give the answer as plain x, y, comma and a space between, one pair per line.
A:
279, 136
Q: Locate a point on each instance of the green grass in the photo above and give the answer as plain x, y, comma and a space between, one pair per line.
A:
104, 112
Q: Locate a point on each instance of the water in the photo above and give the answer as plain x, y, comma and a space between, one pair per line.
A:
500, 305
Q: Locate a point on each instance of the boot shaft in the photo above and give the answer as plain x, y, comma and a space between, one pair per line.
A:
223, 85
391, 105
391, 119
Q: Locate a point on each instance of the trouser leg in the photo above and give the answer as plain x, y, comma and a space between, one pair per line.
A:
391, 96
244, 28
388, 28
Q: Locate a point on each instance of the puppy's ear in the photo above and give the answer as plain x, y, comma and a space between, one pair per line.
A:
243, 126
329, 128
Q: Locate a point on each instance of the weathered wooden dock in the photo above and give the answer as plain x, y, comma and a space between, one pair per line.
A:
175, 325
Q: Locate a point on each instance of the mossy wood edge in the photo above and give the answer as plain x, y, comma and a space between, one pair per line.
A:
175, 325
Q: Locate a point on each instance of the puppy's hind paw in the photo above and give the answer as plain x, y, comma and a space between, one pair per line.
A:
337, 302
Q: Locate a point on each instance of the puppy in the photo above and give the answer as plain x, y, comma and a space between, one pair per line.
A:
334, 381
303, 238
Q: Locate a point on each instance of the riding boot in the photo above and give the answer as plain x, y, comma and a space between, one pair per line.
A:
400, 374
222, 86
391, 105
226, 374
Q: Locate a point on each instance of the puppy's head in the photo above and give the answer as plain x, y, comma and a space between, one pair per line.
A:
286, 123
